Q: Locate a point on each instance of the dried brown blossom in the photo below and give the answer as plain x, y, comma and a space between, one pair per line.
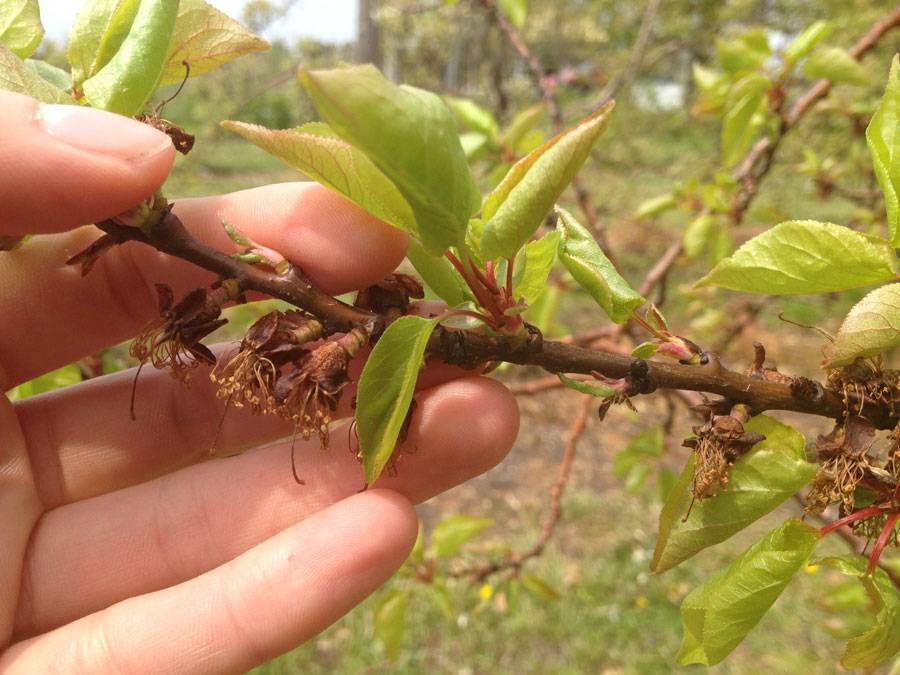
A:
717, 446
843, 464
391, 295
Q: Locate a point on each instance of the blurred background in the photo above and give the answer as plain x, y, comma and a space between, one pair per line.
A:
587, 603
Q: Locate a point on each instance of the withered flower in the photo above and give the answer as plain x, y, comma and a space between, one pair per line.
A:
391, 295
274, 340
309, 394
843, 464
173, 340
718, 444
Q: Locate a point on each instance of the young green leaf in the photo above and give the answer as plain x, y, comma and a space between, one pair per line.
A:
206, 38
131, 76
744, 53
584, 259
592, 387
386, 388
808, 38
883, 138
697, 234
881, 641
99, 30
16, 76
542, 312
718, 614
315, 150
515, 209
515, 11
835, 64
438, 274
453, 532
872, 327
739, 128
474, 144
20, 26
532, 267
805, 256
765, 477
472, 116
55, 76
539, 588
523, 123
389, 622
656, 205
410, 135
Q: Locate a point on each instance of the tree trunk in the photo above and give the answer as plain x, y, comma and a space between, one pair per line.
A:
368, 48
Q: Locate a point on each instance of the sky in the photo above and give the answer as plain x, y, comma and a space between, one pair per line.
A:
325, 20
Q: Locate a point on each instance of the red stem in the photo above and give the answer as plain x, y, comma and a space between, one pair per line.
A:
862, 514
883, 539
509, 279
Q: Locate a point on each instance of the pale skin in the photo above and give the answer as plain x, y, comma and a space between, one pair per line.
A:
123, 548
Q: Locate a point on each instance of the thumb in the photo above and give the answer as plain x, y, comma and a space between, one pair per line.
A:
63, 166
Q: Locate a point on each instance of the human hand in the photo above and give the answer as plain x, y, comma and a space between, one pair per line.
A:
120, 549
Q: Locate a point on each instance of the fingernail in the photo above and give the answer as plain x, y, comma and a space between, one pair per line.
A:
102, 132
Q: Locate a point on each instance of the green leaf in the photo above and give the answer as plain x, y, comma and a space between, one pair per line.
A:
881, 640
18, 77
523, 123
718, 614
584, 259
515, 209
805, 256
56, 379
835, 64
99, 30
315, 150
809, 37
696, 235
131, 76
20, 26
474, 144
389, 622
453, 532
594, 388
883, 138
645, 350
871, 327
765, 477
438, 274
739, 128
656, 205
542, 312
515, 11
386, 388
533, 265
410, 135
472, 116
742, 54
539, 588
206, 38
58, 77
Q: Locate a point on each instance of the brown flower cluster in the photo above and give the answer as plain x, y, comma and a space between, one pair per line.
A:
717, 445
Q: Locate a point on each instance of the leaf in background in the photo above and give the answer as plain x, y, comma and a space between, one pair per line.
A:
131, 76
835, 64
474, 117
517, 207
696, 235
592, 387
474, 144
438, 274
453, 532
206, 38
808, 38
741, 54
56, 379
542, 312
656, 205
55, 76
315, 150
515, 10
765, 477
872, 327
539, 588
99, 30
739, 128
389, 622
586, 262
533, 265
883, 138
805, 256
882, 639
18, 77
410, 135
20, 26
386, 388
523, 123
718, 614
